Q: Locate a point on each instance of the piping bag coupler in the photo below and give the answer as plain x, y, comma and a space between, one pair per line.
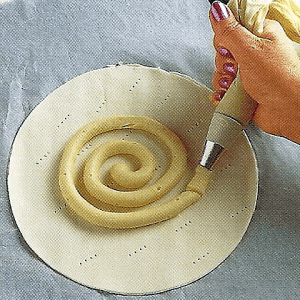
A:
232, 114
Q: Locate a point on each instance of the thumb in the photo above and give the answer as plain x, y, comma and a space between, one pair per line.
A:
229, 33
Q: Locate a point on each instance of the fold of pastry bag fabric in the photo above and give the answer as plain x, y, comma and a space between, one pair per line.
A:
252, 14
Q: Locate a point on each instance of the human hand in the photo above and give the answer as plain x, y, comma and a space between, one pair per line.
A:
269, 68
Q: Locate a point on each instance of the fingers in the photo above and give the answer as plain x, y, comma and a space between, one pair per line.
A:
216, 97
229, 41
229, 33
226, 69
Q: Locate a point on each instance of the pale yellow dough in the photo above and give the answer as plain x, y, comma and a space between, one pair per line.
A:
125, 177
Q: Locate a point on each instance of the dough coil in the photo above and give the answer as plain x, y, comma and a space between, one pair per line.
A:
139, 194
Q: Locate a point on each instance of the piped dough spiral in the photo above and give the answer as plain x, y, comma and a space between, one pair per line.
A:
141, 195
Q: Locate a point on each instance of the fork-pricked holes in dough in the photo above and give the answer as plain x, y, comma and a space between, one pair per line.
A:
163, 101
43, 158
127, 134
134, 85
184, 226
64, 120
138, 250
47, 154
60, 208
86, 147
239, 212
196, 126
226, 167
88, 259
101, 106
201, 257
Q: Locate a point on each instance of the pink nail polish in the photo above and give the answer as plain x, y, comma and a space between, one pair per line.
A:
218, 95
219, 11
224, 52
229, 68
224, 83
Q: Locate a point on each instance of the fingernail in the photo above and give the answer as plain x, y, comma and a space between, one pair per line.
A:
224, 83
229, 68
224, 52
219, 11
218, 95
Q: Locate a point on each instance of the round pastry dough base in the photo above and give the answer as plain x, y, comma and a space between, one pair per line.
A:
137, 261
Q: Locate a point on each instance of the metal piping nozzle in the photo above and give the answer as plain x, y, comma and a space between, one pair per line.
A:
211, 153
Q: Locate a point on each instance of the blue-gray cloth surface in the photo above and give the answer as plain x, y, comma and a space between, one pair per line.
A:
45, 43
